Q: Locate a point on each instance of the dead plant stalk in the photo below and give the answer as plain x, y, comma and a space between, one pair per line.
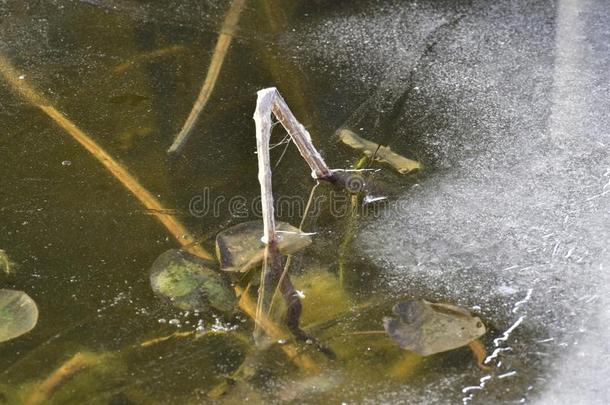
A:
269, 101
220, 52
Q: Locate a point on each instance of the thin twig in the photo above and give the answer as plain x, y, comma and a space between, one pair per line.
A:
270, 101
220, 51
349, 228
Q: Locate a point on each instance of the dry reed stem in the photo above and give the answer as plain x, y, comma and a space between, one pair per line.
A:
220, 51
269, 101
173, 226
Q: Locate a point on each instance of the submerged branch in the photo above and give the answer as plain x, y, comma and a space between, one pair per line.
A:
79, 362
378, 152
218, 57
148, 57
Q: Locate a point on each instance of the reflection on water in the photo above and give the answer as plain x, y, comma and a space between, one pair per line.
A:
127, 73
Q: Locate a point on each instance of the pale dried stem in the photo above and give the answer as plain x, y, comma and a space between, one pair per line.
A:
269, 102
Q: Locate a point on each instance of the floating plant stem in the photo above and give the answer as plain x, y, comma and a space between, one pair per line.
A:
173, 226
220, 52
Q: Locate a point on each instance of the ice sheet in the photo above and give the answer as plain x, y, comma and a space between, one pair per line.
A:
508, 104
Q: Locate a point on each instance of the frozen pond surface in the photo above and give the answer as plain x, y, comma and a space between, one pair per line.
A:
505, 103
510, 104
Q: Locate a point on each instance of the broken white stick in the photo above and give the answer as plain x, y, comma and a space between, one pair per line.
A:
269, 102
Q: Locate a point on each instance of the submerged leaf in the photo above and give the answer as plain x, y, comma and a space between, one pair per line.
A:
381, 153
240, 248
18, 314
427, 328
190, 283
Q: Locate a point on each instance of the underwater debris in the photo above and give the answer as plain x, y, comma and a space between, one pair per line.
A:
79, 362
18, 314
128, 139
189, 283
147, 57
220, 51
128, 99
427, 328
6, 265
381, 153
152, 204
239, 248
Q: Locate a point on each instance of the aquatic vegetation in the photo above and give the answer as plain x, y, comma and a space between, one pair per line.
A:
18, 314
427, 328
239, 248
127, 139
6, 264
381, 153
77, 363
148, 57
323, 296
128, 99
190, 283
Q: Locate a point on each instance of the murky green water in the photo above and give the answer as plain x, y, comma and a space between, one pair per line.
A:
84, 244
